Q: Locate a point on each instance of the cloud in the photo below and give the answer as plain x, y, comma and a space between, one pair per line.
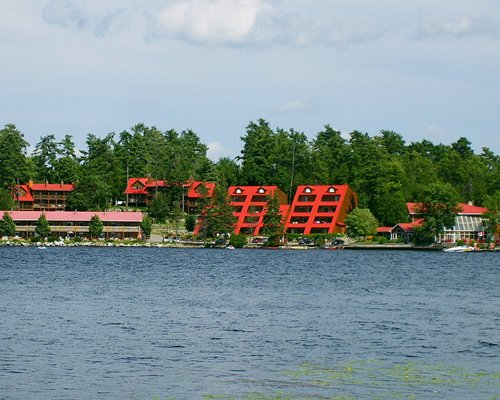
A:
210, 21
217, 150
460, 26
257, 23
68, 14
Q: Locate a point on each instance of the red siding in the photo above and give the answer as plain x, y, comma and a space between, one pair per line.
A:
320, 209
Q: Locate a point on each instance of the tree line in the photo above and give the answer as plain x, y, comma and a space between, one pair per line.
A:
384, 170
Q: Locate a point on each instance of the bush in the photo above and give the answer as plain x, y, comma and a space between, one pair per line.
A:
382, 240
460, 243
35, 239
238, 241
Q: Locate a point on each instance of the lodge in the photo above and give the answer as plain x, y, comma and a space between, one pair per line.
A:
116, 225
249, 205
320, 209
141, 191
42, 196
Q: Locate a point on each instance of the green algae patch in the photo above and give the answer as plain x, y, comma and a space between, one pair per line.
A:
371, 380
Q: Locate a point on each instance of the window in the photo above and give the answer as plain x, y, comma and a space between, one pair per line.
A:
237, 209
330, 198
307, 190
305, 199
303, 209
323, 220
261, 190
238, 191
259, 199
238, 199
327, 209
299, 220
331, 190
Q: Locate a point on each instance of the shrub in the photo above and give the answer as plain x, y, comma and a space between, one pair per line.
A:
382, 240
238, 241
460, 243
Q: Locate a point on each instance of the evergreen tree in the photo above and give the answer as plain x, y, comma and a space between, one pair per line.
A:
45, 158
95, 227
6, 201
7, 225
273, 225
14, 165
218, 218
159, 207
146, 226
190, 223
42, 228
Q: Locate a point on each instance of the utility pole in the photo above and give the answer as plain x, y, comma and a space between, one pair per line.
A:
126, 190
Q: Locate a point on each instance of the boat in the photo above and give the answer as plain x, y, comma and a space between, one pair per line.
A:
461, 249
230, 247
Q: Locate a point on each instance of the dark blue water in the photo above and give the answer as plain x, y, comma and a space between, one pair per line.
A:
128, 323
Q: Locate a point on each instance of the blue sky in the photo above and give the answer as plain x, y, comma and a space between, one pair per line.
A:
423, 68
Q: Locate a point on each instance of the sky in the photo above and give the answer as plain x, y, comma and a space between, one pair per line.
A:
426, 69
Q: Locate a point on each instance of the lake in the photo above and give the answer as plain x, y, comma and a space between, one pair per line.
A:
151, 323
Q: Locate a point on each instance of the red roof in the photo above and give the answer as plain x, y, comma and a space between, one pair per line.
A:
465, 209
251, 190
195, 187
143, 184
52, 187
76, 216
410, 226
384, 229
22, 193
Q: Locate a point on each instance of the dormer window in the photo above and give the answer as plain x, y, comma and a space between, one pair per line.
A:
261, 190
331, 189
308, 190
238, 191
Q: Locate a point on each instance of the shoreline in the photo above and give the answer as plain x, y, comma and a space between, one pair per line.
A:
203, 245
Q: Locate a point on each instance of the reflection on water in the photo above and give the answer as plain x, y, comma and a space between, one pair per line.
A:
182, 324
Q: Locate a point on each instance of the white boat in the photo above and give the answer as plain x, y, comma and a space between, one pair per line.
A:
230, 247
460, 249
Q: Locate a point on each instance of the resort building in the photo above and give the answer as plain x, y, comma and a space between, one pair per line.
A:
404, 230
119, 225
469, 223
195, 193
140, 191
42, 196
249, 204
320, 209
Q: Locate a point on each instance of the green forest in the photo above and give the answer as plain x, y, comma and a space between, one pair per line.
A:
383, 169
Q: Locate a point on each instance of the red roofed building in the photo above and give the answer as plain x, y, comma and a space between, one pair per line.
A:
320, 209
468, 224
249, 204
76, 223
197, 191
42, 196
22, 197
140, 191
